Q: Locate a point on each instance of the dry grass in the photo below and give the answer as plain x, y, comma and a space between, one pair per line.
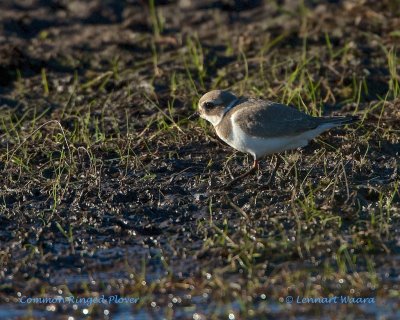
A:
107, 188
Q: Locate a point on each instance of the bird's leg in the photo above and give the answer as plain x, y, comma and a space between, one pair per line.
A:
273, 173
252, 169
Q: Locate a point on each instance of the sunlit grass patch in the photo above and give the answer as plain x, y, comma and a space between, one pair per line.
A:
108, 187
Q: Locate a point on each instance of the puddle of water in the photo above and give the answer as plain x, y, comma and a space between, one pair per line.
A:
387, 309
12, 312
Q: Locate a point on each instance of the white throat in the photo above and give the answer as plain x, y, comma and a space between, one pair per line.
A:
215, 120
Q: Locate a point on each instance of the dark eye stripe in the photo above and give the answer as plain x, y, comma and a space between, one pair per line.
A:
208, 105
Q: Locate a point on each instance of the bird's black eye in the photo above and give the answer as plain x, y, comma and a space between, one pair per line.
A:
208, 105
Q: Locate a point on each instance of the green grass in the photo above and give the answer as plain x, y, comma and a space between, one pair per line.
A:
327, 226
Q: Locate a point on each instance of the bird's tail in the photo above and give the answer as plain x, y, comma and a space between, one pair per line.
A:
341, 121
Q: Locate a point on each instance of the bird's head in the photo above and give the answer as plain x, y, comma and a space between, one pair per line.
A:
214, 104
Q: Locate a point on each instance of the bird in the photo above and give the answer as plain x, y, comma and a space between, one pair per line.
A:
262, 127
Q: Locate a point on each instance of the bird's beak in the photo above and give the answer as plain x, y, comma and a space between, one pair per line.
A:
194, 115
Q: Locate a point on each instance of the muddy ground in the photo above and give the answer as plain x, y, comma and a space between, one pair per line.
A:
106, 188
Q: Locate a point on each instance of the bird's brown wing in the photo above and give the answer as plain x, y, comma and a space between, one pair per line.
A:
269, 119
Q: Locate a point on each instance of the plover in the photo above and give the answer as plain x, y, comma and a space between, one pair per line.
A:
261, 127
